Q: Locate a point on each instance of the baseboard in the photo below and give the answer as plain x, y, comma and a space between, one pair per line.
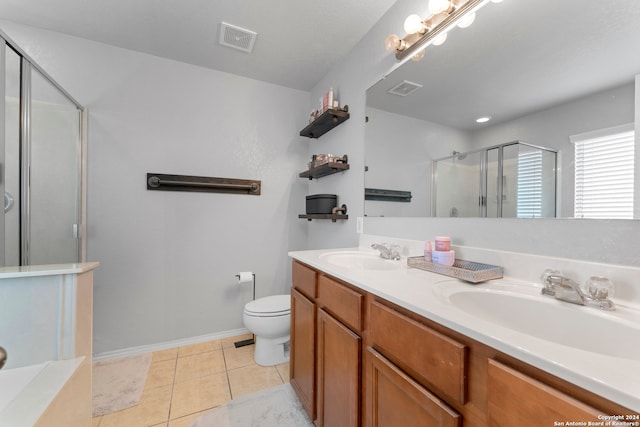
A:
168, 344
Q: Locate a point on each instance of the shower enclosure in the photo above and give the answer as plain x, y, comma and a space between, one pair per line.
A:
41, 165
513, 180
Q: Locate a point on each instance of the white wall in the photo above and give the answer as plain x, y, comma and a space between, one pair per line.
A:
168, 259
408, 168
606, 241
552, 128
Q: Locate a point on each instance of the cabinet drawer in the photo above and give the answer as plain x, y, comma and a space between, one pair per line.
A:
394, 399
341, 301
304, 279
517, 399
426, 354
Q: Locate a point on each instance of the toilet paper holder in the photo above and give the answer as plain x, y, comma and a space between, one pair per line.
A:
251, 340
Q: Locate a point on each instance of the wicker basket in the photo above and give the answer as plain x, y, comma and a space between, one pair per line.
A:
469, 271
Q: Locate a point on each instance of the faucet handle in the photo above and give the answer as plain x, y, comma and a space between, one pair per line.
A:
599, 288
548, 273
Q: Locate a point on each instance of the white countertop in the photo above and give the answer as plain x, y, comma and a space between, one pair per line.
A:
47, 270
614, 378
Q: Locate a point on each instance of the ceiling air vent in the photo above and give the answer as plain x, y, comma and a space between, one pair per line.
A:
404, 88
236, 37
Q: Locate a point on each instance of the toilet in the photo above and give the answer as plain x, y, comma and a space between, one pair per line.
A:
269, 319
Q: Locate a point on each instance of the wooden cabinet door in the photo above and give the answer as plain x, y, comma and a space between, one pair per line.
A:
303, 346
517, 399
394, 399
339, 355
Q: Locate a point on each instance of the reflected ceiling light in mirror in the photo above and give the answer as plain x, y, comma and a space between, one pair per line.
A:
438, 40
440, 6
467, 20
483, 119
445, 14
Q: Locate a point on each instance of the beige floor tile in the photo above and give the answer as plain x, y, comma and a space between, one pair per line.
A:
160, 374
160, 355
95, 422
230, 342
252, 378
185, 421
236, 358
199, 348
153, 409
199, 365
199, 394
283, 370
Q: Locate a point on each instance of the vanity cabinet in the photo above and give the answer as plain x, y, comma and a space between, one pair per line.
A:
338, 373
302, 360
435, 359
326, 347
378, 364
340, 325
395, 399
544, 404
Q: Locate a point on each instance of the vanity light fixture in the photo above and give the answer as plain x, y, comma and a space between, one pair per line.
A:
444, 15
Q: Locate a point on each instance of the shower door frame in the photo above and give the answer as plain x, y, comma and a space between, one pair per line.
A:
27, 67
484, 169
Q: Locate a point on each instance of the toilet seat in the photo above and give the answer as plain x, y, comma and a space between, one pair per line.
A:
272, 306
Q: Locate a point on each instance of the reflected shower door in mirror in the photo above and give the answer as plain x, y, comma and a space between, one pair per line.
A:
458, 186
542, 78
10, 184
514, 180
55, 175
40, 174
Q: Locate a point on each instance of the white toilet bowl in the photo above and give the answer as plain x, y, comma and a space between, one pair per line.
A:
269, 319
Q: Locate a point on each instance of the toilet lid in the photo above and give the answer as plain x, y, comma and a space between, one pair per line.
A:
273, 305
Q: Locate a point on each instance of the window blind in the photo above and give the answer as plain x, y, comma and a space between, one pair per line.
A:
529, 196
604, 175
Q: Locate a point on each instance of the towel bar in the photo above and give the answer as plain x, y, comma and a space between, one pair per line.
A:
202, 184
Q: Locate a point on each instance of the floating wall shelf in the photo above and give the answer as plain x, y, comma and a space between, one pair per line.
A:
326, 169
332, 217
325, 122
338, 213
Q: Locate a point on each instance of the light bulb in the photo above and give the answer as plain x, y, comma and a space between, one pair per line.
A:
483, 119
440, 39
418, 56
439, 6
467, 20
413, 24
392, 43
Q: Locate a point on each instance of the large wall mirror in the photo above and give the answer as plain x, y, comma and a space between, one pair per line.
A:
549, 73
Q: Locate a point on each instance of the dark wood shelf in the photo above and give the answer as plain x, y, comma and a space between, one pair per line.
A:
332, 217
325, 122
325, 169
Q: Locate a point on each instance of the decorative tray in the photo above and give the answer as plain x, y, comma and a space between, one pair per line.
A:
469, 271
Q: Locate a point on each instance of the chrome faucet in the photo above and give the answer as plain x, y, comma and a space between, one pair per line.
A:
563, 288
388, 251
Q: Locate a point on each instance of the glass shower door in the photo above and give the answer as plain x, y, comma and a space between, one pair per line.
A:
458, 186
54, 182
10, 152
40, 166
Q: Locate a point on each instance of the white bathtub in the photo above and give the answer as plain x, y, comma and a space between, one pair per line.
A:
27, 392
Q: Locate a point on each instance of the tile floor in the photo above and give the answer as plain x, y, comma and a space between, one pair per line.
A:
185, 382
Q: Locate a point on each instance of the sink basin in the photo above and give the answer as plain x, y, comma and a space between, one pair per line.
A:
548, 319
360, 260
